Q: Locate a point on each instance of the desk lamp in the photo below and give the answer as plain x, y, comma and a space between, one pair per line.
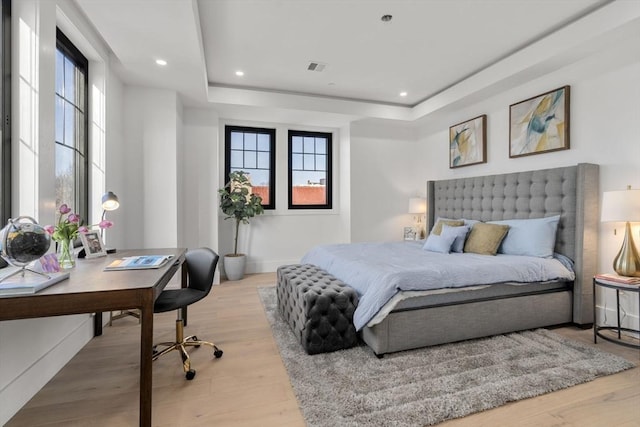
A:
418, 207
109, 203
623, 206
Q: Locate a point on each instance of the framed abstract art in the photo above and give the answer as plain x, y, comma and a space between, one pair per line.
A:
468, 142
540, 124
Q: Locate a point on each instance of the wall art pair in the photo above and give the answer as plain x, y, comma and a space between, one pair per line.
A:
536, 125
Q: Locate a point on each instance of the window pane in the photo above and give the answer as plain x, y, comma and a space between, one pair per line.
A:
250, 160
296, 161
59, 120
69, 125
321, 163
309, 162
59, 73
309, 145
306, 190
69, 80
263, 160
321, 145
250, 141
297, 144
263, 142
80, 89
236, 141
236, 159
64, 175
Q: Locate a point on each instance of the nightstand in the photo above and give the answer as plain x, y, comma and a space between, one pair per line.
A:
596, 329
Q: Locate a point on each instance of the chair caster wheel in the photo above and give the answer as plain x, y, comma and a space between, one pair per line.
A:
195, 338
217, 352
191, 373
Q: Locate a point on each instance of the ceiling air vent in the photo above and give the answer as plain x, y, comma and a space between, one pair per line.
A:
316, 66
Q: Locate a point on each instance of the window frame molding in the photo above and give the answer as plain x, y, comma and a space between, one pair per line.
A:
228, 129
5, 143
329, 172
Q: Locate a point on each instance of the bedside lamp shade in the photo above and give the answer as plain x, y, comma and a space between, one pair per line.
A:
623, 206
417, 205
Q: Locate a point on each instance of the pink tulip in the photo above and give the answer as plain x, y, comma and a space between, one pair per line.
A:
83, 229
64, 209
73, 218
105, 223
50, 229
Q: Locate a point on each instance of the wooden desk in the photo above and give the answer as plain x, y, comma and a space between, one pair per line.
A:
89, 289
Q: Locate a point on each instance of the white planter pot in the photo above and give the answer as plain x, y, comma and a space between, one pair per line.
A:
234, 266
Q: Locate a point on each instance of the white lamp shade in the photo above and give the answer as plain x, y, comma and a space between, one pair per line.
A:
417, 205
621, 206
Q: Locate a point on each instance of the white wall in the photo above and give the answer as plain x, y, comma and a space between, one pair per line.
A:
200, 179
386, 165
149, 200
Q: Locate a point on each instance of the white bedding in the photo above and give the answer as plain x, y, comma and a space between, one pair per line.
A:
377, 271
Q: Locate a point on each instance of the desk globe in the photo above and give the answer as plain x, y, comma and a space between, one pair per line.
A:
22, 241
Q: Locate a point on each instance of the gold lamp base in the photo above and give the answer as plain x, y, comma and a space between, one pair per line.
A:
627, 262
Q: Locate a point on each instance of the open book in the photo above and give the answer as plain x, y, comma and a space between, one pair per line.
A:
138, 262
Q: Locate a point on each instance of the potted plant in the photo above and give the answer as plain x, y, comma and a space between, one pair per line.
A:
239, 203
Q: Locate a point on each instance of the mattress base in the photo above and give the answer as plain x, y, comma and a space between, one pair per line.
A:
460, 321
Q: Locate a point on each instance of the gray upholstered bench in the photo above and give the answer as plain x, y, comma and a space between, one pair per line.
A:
318, 307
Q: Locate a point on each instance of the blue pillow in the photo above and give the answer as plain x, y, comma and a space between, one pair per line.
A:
531, 237
461, 235
440, 242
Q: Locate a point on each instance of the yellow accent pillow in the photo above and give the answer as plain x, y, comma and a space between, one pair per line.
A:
485, 238
437, 229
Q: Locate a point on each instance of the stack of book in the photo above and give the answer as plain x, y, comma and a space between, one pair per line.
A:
614, 279
29, 283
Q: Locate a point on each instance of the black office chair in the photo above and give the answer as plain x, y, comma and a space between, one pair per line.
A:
201, 266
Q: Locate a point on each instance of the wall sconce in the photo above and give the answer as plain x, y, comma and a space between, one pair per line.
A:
623, 206
418, 207
109, 203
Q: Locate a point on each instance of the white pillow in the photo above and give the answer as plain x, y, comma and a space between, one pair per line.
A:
440, 242
531, 237
461, 235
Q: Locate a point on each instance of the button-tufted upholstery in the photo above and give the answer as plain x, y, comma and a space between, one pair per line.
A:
318, 307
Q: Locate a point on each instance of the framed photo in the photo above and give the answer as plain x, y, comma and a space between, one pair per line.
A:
410, 233
92, 244
540, 124
468, 142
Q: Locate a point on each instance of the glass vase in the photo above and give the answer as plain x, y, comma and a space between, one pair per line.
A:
65, 254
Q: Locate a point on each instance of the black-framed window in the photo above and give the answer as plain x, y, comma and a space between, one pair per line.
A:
252, 150
310, 166
5, 112
71, 126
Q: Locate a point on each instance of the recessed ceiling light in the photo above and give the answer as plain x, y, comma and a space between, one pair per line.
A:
386, 18
161, 62
239, 73
403, 93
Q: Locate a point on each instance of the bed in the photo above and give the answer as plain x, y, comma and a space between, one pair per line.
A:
417, 319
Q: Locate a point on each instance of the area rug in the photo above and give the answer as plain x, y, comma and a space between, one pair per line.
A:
430, 385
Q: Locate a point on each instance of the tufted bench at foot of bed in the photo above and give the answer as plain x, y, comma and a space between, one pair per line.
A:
318, 307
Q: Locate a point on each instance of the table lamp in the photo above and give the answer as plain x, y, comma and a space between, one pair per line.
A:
418, 207
623, 206
109, 203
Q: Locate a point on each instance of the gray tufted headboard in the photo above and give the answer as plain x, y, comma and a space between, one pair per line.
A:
569, 191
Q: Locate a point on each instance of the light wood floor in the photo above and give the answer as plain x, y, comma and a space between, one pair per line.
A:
249, 386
